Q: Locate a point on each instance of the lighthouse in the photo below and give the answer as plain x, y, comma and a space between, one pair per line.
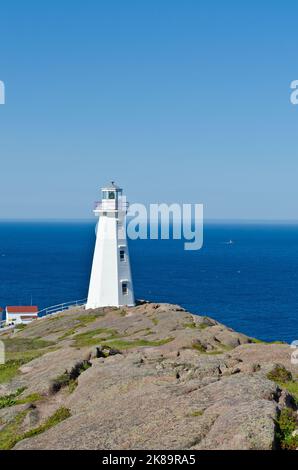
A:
111, 281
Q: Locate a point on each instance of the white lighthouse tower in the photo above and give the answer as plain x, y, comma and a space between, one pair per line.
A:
111, 282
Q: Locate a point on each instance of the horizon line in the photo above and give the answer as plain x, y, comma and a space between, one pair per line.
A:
207, 220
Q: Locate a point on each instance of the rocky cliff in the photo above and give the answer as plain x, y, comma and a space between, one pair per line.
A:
152, 376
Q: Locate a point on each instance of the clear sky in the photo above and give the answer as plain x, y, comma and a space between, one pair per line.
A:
178, 101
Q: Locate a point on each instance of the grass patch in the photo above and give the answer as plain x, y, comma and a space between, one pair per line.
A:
60, 415
83, 320
203, 325
199, 347
11, 368
90, 338
70, 332
196, 413
10, 400
292, 388
148, 332
14, 344
280, 374
86, 319
284, 379
69, 379
189, 325
257, 341
16, 359
20, 326
9, 436
29, 399
260, 341
123, 344
155, 321
286, 424
72, 385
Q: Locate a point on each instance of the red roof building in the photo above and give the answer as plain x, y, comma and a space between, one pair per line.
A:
22, 309
21, 314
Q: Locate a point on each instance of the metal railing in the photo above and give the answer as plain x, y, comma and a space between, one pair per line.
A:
112, 205
61, 307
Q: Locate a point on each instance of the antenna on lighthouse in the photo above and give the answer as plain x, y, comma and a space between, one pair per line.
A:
111, 280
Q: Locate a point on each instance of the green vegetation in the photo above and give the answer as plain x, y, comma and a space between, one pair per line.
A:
196, 413
9, 436
155, 320
81, 322
69, 379
29, 399
86, 319
12, 399
280, 374
91, 338
20, 326
199, 347
189, 325
202, 326
123, 344
19, 351
60, 415
260, 341
69, 332
193, 324
257, 341
284, 379
292, 388
16, 344
286, 424
9, 370
11, 367
148, 332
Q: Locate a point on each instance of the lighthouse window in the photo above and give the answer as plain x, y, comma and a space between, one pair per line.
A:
111, 195
122, 255
124, 288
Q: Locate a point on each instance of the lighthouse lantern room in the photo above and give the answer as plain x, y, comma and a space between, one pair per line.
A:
111, 281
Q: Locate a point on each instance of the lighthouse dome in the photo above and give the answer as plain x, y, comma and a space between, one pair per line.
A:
112, 186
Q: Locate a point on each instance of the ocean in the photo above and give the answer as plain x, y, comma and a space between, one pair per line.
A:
249, 285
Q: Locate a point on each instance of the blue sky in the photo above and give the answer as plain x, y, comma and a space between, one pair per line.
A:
178, 101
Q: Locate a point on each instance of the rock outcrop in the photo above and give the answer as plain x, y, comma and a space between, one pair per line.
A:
152, 376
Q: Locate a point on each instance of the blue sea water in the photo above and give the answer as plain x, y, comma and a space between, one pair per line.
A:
250, 285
